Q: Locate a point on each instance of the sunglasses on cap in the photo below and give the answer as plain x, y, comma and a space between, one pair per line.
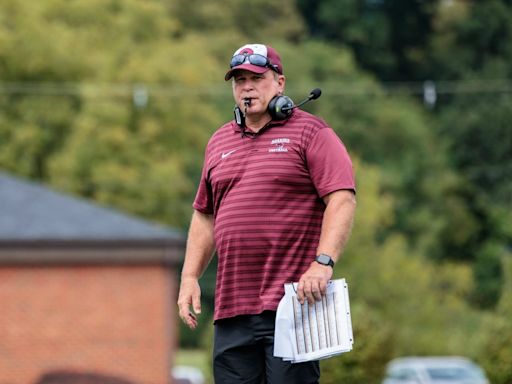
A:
254, 59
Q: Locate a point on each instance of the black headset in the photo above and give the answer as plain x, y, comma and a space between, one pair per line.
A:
279, 108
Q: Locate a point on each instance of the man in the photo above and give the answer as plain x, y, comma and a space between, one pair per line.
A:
276, 201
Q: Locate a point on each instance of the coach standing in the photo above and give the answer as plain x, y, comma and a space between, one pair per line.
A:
276, 201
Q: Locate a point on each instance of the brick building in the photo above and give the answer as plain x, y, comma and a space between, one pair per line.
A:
87, 294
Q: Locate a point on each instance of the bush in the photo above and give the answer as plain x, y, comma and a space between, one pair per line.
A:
373, 348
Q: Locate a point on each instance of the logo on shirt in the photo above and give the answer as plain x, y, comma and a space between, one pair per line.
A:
223, 155
279, 145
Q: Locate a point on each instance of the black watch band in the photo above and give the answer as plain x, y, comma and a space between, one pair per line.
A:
325, 260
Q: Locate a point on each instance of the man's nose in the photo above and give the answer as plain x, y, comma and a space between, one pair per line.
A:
248, 85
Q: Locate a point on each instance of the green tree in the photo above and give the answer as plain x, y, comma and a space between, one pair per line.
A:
403, 303
118, 106
388, 37
489, 277
472, 43
373, 348
497, 354
262, 20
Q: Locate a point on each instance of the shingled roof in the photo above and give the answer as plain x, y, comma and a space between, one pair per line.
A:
31, 213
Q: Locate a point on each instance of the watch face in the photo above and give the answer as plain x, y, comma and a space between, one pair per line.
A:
324, 259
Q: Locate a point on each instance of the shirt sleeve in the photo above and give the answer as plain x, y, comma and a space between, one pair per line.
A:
204, 197
329, 163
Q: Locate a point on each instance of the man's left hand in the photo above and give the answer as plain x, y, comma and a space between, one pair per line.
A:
313, 283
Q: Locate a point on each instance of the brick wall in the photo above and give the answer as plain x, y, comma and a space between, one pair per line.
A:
109, 320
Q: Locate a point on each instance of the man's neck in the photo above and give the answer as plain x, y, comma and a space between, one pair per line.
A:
255, 125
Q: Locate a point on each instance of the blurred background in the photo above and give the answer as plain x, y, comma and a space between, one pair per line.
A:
114, 101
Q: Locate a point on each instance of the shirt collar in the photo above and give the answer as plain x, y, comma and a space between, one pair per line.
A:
270, 124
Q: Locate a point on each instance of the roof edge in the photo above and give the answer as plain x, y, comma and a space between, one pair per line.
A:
135, 252
93, 243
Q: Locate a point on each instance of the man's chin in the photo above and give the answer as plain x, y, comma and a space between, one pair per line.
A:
255, 112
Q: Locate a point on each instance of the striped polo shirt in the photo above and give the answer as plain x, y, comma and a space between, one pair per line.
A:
265, 192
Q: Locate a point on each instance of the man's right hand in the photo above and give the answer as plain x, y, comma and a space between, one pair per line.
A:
189, 296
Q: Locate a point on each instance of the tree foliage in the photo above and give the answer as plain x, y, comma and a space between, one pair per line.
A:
387, 37
115, 100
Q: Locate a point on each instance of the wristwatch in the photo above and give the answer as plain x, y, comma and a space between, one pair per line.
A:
324, 260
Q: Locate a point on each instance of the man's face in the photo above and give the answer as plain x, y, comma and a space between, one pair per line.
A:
259, 88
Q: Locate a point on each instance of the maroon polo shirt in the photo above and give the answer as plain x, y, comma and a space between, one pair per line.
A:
265, 193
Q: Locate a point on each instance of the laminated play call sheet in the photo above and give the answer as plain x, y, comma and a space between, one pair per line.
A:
311, 332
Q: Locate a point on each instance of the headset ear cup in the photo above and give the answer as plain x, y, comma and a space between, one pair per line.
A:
272, 106
276, 105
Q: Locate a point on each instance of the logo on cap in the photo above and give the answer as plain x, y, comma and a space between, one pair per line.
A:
246, 51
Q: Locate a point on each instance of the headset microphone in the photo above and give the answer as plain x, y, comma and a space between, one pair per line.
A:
313, 95
279, 108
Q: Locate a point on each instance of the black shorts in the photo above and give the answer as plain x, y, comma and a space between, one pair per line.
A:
243, 352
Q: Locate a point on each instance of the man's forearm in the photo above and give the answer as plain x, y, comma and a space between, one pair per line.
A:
337, 223
200, 245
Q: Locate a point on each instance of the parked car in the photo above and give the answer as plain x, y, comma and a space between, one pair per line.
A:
183, 374
434, 370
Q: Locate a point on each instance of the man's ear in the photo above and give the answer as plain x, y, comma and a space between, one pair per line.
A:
281, 81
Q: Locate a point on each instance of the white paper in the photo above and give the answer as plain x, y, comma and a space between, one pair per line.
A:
313, 332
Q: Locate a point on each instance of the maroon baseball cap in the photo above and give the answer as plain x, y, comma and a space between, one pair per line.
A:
256, 49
